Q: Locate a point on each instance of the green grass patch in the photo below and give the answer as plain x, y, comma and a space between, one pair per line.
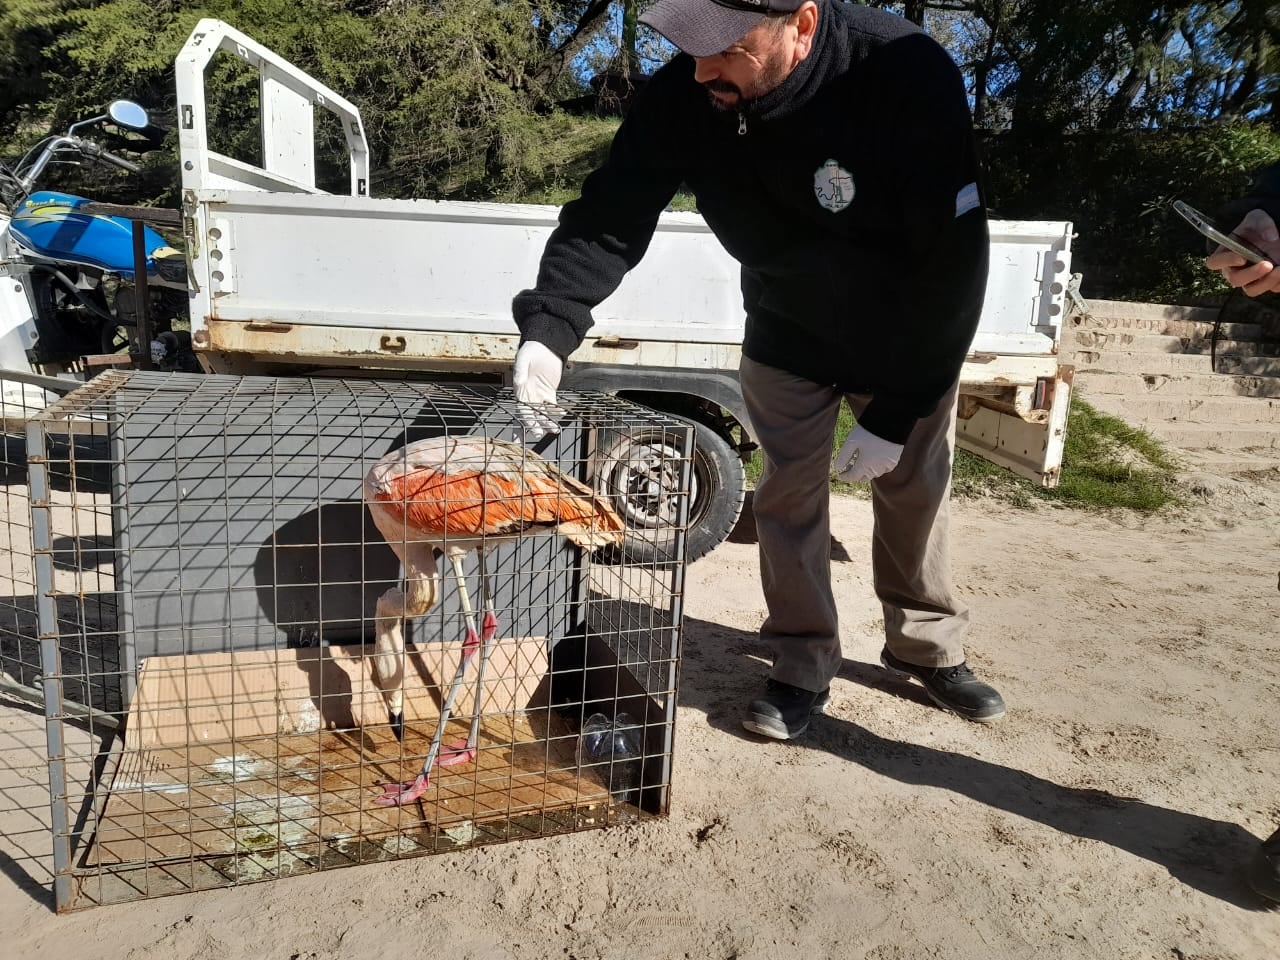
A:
1107, 464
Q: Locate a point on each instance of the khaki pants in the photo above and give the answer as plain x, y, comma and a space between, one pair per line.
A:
794, 421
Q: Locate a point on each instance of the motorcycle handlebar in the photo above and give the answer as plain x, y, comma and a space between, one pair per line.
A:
120, 162
87, 148
91, 149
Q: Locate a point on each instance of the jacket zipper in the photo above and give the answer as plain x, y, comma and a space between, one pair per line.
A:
742, 124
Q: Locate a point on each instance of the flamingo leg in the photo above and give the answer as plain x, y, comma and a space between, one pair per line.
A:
398, 794
421, 577
490, 630
388, 656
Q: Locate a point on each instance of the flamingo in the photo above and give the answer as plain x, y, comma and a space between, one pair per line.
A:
458, 494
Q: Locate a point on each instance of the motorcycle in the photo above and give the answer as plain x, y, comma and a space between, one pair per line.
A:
67, 274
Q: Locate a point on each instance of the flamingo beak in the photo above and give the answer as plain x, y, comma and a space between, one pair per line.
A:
397, 724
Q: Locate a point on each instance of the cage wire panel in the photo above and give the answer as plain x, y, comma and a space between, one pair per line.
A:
199, 563
25, 834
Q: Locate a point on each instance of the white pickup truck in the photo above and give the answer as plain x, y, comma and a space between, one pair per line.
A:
289, 279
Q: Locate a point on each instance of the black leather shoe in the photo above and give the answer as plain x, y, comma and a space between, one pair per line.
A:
952, 688
783, 712
1264, 871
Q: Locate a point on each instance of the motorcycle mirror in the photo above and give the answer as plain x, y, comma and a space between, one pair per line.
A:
128, 114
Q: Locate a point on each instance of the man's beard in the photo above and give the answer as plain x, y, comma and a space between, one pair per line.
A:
724, 86
771, 76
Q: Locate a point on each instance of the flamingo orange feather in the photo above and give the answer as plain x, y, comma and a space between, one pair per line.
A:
455, 495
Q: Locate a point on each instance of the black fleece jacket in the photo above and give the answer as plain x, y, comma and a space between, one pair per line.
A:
849, 195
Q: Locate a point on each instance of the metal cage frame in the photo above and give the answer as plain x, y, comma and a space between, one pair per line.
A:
598, 632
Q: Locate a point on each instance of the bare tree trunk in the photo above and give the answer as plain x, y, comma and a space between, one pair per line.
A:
591, 20
982, 69
1122, 100
630, 59
1234, 101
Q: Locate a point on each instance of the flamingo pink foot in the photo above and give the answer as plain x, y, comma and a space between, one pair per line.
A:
398, 794
457, 752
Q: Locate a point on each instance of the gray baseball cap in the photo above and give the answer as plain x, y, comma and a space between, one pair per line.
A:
703, 28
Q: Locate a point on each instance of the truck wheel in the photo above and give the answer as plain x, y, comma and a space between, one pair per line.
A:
641, 477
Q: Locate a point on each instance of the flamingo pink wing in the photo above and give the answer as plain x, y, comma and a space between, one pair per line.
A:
514, 490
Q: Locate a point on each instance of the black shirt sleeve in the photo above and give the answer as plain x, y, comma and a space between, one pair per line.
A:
606, 231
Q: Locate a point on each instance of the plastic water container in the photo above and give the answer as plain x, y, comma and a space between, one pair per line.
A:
613, 751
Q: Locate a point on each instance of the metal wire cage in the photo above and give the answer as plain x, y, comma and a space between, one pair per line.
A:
231, 671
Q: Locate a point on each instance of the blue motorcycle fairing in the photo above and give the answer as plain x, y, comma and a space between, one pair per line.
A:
49, 223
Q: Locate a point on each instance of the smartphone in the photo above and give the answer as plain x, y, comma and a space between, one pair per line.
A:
1222, 237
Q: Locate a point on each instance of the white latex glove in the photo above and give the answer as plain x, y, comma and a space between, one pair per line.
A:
864, 456
535, 378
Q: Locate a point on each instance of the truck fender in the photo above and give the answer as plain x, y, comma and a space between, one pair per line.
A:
718, 386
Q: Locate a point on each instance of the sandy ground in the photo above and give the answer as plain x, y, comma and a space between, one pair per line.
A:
1108, 815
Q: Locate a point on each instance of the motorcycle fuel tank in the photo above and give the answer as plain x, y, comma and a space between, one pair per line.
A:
52, 225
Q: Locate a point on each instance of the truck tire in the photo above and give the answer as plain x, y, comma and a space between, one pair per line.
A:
640, 475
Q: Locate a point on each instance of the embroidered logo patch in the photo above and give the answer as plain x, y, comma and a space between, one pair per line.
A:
833, 186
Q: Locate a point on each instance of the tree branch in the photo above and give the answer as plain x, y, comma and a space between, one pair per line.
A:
596, 13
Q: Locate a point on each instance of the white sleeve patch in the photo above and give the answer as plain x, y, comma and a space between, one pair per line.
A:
967, 199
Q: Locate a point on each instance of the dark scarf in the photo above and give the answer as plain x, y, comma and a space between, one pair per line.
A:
828, 58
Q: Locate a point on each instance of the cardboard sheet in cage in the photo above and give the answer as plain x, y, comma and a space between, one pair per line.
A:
217, 697
245, 752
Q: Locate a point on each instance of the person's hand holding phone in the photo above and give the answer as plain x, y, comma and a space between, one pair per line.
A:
1253, 278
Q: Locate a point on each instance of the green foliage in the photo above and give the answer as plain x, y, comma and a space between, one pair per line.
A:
29, 56
1116, 188
446, 87
574, 146
1045, 69
93, 53
458, 109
